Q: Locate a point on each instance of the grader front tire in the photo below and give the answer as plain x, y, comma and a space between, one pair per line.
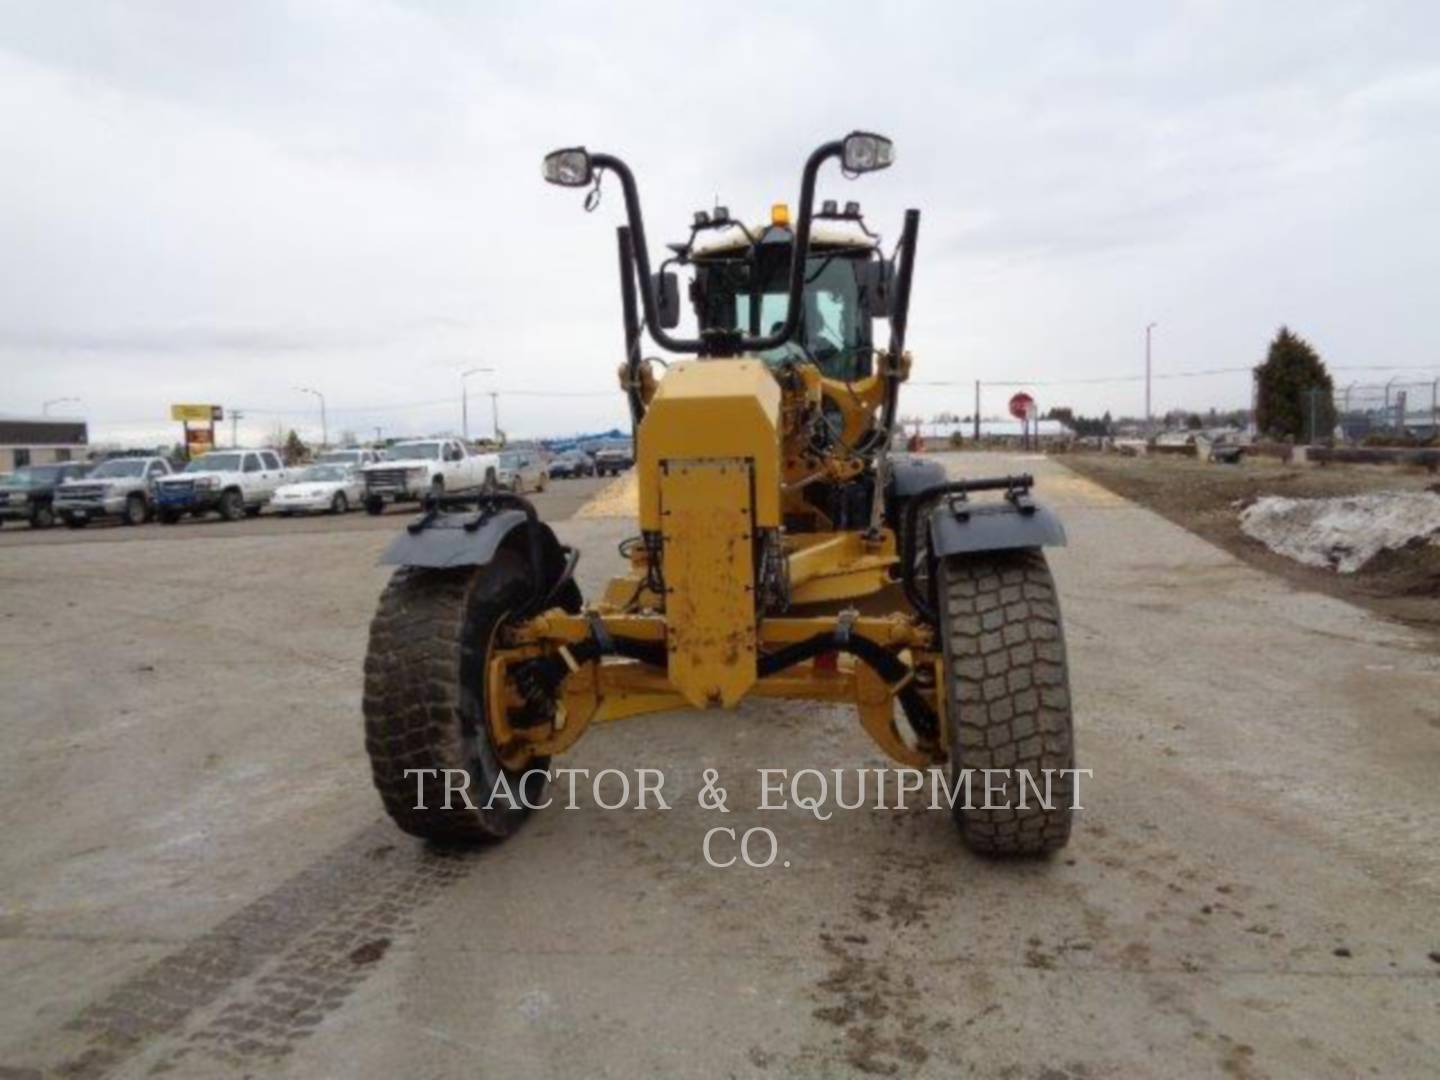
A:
1008, 703
425, 687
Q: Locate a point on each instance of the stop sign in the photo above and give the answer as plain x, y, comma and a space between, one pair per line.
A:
1021, 405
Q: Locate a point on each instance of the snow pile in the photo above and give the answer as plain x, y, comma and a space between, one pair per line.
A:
1343, 533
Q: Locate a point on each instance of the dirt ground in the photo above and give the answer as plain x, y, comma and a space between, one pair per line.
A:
1203, 498
196, 879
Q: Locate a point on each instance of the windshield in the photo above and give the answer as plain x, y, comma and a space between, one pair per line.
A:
215, 463
428, 450
127, 467
340, 456
835, 331
35, 475
509, 461
325, 472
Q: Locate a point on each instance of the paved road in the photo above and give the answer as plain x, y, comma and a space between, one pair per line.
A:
195, 877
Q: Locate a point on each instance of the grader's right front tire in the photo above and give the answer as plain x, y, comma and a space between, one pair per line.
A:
425, 687
1008, 700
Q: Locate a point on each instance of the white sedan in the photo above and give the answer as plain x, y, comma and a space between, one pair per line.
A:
320, 489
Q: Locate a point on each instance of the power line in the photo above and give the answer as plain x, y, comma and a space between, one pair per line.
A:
434, 402
1197, 374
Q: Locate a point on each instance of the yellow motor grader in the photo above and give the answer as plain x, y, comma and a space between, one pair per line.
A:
782, 549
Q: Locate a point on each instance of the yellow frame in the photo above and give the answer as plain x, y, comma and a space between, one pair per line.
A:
601, 693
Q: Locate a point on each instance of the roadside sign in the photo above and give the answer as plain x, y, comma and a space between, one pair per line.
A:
199, 440
198, 414
1021, 405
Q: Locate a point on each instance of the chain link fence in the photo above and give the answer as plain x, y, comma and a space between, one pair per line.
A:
1395, 408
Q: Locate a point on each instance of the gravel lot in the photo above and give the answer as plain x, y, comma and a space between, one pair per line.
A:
195, 875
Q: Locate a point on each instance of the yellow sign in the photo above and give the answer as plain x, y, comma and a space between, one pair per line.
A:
201, 414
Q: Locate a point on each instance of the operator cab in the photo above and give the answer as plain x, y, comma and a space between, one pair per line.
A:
741, 286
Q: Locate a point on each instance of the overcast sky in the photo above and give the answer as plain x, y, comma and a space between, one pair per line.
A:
221, 202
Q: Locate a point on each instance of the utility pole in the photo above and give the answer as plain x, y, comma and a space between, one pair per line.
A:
324, 427
495, 413
465, 398
977, 410
235, 417
1149, 420
378, 437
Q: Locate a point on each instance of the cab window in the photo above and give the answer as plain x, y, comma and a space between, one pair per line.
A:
252, 463
271, 461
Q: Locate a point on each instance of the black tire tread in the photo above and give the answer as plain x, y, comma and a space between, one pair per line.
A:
423, 685
1008, 701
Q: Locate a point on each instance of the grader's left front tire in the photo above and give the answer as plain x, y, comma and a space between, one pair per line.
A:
1008, 698
425, 688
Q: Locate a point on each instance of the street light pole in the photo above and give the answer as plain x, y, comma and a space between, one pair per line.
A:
45, 406
495, 413
324, 426
465, 398
1149, 419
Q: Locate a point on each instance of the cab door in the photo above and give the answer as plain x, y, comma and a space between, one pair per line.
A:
272, 475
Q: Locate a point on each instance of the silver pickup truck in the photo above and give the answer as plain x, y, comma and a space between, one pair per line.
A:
121, 488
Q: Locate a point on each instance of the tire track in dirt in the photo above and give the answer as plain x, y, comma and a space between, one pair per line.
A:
245, 992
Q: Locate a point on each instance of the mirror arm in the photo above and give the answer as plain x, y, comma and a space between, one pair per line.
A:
631, 315
641, 252
800, 252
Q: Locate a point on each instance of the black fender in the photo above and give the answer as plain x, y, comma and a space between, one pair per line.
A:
441, 539
992, 526
910, 475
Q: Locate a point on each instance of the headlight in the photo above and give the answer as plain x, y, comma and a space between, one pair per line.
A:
19, 498
206, 482
418, 471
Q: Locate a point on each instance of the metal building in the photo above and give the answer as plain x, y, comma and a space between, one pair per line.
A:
41, 441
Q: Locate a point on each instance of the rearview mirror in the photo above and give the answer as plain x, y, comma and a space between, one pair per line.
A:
568, 168
667, 299
864, 151
874, 279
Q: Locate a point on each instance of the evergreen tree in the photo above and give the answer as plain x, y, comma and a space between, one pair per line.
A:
1294, 391
295, 449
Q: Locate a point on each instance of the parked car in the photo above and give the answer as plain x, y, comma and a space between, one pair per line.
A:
521, 470
355, 456
572, 463
416, 469
235, 483
29, 492
320, 489
613, 460
122, 487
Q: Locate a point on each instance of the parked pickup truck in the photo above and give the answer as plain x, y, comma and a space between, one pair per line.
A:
235, 483
120, 487
413, 470
28, 493
614, 459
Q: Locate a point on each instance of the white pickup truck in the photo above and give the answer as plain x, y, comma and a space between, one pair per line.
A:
416, 469
234, 482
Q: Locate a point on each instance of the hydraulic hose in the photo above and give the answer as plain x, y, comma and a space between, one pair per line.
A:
886, 664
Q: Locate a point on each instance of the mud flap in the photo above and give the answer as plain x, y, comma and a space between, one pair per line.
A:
999, 526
